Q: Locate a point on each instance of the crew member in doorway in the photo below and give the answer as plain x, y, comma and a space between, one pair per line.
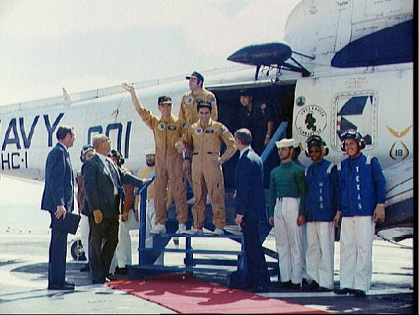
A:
258, 118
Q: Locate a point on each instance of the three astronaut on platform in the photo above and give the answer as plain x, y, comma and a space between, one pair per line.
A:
178, 140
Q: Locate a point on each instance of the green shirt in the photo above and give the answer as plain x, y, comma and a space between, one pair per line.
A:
287, 180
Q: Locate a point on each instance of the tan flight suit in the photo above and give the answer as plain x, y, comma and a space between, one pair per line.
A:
206, 177
188, 111
168, 165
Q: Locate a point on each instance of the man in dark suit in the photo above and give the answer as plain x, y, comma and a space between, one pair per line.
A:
103, 183
58, 199
251, 209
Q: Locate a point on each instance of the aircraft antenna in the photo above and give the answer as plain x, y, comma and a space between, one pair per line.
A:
67, 98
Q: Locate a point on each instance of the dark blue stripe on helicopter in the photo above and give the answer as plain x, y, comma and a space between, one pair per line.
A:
389, 46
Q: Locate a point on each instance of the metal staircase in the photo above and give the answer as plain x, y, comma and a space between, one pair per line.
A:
228, 265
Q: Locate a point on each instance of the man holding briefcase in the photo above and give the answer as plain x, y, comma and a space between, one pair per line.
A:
58, 199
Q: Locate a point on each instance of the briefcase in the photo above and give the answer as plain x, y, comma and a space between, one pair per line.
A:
70, 224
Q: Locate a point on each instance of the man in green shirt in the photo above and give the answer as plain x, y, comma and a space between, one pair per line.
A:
286, 214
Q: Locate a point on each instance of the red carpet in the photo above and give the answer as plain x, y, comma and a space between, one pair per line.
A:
185, 294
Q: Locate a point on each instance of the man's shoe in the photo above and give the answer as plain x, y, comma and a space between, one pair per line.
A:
181, 229
69, 283
284, 285
121, 271
259, 289
295, 286
360, 293
344, 291
310, 286
158, 229
218, 232
60, 287
194, 231
111, 277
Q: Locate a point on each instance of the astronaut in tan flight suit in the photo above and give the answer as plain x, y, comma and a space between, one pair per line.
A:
203, 142
167, 129
188, 111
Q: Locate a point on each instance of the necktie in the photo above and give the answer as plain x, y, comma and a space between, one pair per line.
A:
113, 173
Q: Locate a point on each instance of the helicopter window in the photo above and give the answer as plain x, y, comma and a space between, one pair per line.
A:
356, 111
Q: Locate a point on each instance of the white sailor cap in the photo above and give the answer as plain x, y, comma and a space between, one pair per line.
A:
150, 151
285, 143
297, 144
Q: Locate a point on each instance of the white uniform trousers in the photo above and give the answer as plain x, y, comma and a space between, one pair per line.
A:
150, 223
123, 253
288, 238
84, 235
320, 252
304, 247
356, 238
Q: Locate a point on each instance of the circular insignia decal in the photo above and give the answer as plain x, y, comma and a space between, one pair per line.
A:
189, 100
310, 120
300, 101
161, 126
198, 130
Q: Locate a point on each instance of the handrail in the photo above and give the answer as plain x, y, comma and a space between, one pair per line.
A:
279, 134
143, 193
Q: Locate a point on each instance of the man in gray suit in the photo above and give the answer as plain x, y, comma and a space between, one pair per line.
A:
58, 199
103, 182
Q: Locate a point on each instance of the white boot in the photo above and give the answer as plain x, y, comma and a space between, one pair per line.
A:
158, 229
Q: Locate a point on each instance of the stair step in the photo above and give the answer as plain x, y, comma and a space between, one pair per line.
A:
233, 236
180, 269
191, 251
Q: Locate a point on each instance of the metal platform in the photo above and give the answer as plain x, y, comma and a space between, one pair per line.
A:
234, 269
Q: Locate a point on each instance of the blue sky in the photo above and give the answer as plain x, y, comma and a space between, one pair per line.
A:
80, 45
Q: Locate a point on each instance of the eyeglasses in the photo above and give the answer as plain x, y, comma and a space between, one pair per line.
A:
314, 151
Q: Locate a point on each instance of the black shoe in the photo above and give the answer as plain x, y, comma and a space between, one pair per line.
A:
360, 293
284, 285
344, 291
259, 289
246, 287
60, 287
121, 271
310, 286
111, 277
295, 286
85, 268
71, 284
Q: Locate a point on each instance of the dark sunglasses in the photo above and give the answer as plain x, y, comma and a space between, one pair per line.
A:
314, 151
